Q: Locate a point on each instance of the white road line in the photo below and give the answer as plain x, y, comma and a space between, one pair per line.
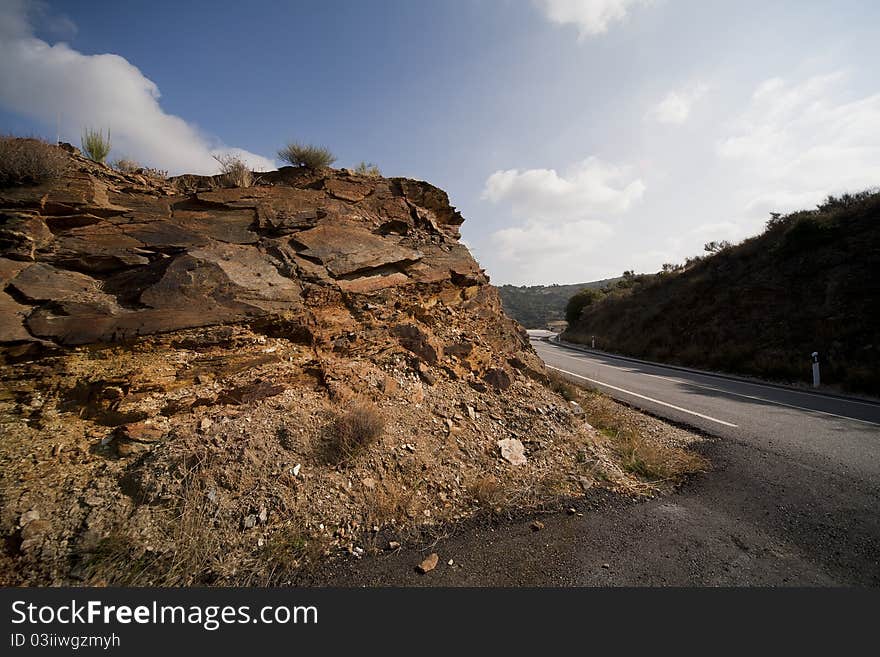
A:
650, 399
741, 382
582, 359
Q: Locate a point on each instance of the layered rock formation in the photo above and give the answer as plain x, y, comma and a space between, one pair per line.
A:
178, 349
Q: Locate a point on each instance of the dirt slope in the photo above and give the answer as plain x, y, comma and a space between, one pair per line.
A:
178, 355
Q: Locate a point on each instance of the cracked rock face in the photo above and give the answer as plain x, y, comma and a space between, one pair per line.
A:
99, 256
152, 328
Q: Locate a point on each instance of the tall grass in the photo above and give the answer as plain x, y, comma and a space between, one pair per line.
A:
95, 145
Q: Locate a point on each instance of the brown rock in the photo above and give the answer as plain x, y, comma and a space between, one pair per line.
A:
346, 250
142, 432
512, 451
497, 378
417, 341
35, 529
429, 563
250, 393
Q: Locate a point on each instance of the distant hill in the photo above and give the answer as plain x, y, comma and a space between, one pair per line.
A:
535, 305
808, 283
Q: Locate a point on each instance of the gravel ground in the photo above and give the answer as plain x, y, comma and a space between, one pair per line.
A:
757, 519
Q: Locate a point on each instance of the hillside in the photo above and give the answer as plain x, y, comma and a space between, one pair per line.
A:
209, 384
808, 283
534, 306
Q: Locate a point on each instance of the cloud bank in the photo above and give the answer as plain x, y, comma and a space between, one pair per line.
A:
591, 17
39, 80
562, 216
800, 141
588, 188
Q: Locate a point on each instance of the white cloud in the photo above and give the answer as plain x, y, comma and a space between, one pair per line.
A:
676, 106
561, 216
39, 80
539, 250
800, 141
588, 188
591, 17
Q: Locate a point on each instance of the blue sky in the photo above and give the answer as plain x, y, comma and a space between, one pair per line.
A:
578, 137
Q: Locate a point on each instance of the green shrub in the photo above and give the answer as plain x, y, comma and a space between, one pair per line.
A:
368, 169
716, 247
578, 302
95, 145
234, 171
304, 155
25, 160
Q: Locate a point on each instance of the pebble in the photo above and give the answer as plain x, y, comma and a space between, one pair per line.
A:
429, 563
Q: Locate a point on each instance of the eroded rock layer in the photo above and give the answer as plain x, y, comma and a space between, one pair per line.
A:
177, 352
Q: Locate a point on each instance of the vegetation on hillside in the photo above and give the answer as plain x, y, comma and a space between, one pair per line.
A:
807, 283
534, 306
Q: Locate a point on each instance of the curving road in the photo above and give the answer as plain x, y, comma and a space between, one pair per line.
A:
832, 433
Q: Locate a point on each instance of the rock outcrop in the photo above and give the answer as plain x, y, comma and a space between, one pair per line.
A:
174, 351
104, 257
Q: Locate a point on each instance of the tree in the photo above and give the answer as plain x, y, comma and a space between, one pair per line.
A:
716, 247
578, 302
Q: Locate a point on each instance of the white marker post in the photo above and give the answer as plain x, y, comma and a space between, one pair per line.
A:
815, 355
593, 343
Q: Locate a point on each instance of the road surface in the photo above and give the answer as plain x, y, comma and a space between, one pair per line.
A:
793, 498
838, 435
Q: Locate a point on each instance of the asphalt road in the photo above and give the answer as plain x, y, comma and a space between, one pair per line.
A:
793, 499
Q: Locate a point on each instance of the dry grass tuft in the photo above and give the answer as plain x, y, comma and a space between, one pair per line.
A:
393, 503
197, 548
25, 160
133, 167
124, 165
234, 171
353, 431
639, 454
488, 492
290, 548
368, 169
562, 387
653, 461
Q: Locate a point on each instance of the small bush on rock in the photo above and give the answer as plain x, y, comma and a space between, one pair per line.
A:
304, 155
29, 161
124, 165
235, 171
